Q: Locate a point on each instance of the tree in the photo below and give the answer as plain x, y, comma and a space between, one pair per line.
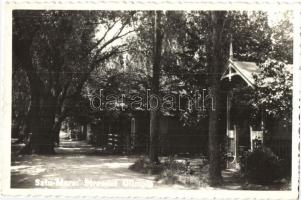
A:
197, 58
216, 116
185, 63
190, 57
144, 59
154, 113
273, 82
251, 35
273, 93
282, 39
20, 104
58, 56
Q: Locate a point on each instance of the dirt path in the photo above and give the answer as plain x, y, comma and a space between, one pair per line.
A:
76, 165
79, 165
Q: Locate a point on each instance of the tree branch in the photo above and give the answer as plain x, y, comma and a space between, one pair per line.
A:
104, 36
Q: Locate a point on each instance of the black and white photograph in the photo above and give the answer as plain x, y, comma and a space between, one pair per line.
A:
152, 99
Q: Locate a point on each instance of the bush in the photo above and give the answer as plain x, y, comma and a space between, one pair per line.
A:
262, 166
143, 165
181, 172
174, 171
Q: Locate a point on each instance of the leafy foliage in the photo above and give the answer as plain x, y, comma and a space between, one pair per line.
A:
187, 53
115, 51
251, 35
59, 55
274, 89
282, 38
273, 92
262, 166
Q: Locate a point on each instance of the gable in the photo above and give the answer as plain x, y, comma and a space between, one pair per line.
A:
246, 70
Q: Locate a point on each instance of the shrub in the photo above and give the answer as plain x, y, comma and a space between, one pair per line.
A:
261, 166
174, 171
143, 165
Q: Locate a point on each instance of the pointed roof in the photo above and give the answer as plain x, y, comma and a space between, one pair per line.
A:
246, 70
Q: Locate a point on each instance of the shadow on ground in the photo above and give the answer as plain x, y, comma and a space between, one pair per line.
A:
77, 164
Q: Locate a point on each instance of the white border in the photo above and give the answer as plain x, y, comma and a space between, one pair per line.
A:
5, 92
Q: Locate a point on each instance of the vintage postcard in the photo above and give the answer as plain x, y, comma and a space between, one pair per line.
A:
187, 100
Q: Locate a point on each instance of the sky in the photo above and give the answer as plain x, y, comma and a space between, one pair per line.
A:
275, 16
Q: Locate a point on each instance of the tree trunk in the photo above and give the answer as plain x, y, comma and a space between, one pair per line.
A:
154, 114
85, 131
154, 137
16, 130
42, 115
56, 132
216, 116
23, 129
